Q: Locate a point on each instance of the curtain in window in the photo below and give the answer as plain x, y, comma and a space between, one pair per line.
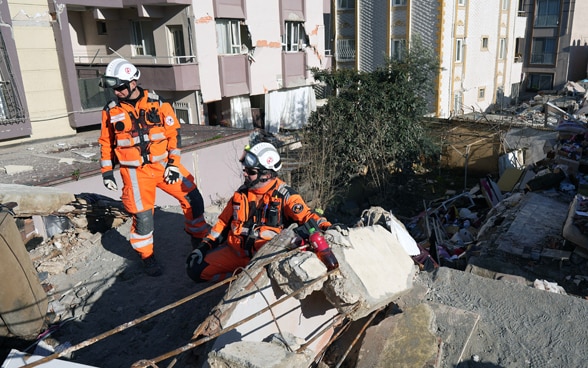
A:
223, 37
289, 109
241, 112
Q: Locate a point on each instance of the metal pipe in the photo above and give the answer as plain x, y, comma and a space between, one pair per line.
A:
126, 325
134, 322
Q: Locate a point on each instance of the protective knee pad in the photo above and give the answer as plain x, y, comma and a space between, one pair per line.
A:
143, 222
195, 270
196, 202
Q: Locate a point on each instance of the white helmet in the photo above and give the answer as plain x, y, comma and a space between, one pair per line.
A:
119, 72
263, 156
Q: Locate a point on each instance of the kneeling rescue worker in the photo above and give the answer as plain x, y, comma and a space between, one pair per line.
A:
258, 211
141, 132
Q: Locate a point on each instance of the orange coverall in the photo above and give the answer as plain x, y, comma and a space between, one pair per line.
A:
259, 214
143, 139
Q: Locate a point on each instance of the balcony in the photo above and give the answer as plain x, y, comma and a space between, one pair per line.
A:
136, 3
293, 69
164, 73
234, 74
345, 50
520, 27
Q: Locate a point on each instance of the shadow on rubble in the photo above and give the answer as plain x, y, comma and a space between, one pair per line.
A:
124, 293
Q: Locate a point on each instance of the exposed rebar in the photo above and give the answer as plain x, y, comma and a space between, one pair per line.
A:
196, 343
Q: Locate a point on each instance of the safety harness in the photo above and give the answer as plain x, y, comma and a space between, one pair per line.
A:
140, 127
268, 214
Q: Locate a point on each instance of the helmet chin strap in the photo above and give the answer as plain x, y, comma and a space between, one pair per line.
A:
130, 92
259, 180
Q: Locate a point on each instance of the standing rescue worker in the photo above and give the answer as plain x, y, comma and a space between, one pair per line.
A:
140, 133
258, 211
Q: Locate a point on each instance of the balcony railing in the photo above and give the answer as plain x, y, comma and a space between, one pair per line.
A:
140, 59
543, 58
345, 50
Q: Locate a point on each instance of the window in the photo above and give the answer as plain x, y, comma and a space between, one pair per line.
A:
484, 43
295, 37
228, 36
547, 13
346, 4
182, 110
458, 103
176, 35
481, 93
458, 50
101, 27
502, 49
345, 50
543, 50
142, 38
505, 4
399, 2
397, 49
461, 2
538, 82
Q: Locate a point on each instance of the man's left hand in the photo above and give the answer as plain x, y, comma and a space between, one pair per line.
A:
171, 174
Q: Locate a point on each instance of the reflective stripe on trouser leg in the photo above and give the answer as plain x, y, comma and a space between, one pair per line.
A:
140, 183
141, 236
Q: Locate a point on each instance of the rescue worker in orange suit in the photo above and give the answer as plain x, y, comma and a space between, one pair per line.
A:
257, 212
140, 132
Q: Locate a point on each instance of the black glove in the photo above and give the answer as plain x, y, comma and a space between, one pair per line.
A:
171, 174
109, 181
198, 254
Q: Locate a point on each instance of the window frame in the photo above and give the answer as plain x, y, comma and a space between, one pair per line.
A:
101, 28
459, 50
547, 13
398, 2
397, 48
539, 57
502, 48
294, 37
142, 40
485, 42
229, 32
348, 44
345, 4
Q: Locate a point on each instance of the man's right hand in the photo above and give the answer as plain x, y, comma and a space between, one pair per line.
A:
198, 254
109, 181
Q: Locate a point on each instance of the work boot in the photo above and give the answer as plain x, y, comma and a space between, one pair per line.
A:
152, 267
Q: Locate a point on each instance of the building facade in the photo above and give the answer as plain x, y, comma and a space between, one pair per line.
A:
240, 63
476, 43
556, 45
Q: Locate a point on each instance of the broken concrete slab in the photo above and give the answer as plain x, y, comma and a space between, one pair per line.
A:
375, 269
539, 216
34, 200
256, 354
17, 169
294, 272
402, 340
